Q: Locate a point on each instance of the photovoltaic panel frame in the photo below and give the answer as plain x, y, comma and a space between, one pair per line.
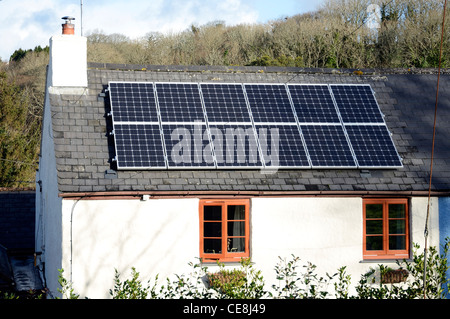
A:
179, 102
225, 103
269, 103
133, 102
136, 126
365, 127
179, 125
139, 146
282, 146
373, 146
184, 126
188, 145
313, 103
357, 103
235, 145
231, 127
328, 146
280, 141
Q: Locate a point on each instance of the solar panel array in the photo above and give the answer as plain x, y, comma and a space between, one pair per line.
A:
230, 125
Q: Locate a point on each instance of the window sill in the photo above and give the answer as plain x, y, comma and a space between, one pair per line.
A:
384, 260
228, 261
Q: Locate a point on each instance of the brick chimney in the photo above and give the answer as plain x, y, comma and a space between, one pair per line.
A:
68, 61
68, 27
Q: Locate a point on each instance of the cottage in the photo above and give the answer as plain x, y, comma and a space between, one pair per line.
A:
153, 167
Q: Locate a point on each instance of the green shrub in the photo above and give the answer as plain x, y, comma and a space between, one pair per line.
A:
294, 285
246, 282
243, 283
131, 288
66, 289
413, 287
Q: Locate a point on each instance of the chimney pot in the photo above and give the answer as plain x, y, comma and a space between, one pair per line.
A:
68, 27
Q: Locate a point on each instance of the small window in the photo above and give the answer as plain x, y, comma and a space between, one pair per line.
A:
386, 229
224, 229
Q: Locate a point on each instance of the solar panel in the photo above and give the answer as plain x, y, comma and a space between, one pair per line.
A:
225, 102
373, 146
269, 103
235, 145
327, 146
356, 103
282, 146
179, 102
313, 103
133, 102
139, 146
188, 146
223, 125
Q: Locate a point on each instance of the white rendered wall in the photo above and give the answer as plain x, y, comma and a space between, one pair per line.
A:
154, 236
48, 205
328, 232
67, 73
68, 61
161, 236
418, 213
324, 231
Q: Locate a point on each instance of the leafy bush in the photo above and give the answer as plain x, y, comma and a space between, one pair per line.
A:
413, 287
243, 283
227, 281
294, 285
131, 288
189, 286
66, 289
246, 282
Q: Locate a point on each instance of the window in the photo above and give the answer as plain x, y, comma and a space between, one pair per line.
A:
386, 229
224, 229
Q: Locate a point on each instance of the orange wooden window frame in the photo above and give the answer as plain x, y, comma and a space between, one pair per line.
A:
225, 255
386, 253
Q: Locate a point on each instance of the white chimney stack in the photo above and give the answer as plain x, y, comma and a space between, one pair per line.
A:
68, 58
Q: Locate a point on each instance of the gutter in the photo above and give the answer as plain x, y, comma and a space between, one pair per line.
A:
241, 194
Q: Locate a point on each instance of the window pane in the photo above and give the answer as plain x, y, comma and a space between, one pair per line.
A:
236, 228
212, 213
374, 243
236, 245
212, 229
374, 211
212, 246
397, 211
236, 212
397, 242
397, 226
374, 227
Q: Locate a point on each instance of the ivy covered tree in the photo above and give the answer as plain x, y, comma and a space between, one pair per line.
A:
19, 135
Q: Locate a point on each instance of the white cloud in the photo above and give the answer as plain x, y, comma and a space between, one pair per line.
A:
163, 16
28, 23
25, 24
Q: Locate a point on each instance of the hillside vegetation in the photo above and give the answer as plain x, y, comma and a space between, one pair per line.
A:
335, 36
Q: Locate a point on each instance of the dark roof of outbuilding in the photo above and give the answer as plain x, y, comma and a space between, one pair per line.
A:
17, 215
83, 150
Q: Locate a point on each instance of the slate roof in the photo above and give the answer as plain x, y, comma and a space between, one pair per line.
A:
17, 220
84, 151
17, 243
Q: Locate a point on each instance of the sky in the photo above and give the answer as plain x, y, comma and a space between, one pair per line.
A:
25, 24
